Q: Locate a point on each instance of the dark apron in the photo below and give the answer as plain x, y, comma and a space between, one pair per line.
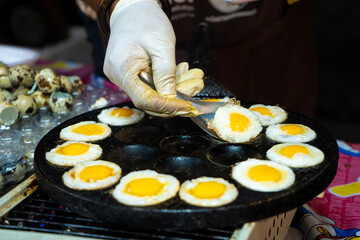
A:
264, 51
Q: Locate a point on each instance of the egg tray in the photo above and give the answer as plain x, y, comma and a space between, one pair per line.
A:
178, 147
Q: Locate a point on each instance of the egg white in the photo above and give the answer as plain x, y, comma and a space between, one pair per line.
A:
72, 178
299, 159
69, 134
274, 132
221, 124
229, 195
106, 117
277, 114
240, 173
60, 159
167, 192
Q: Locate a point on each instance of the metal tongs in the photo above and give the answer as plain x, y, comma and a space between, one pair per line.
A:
206, 109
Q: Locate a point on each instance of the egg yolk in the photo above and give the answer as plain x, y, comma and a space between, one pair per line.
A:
89, 129
144, 187
239, 122
211, 100
264, 173
207, 190
73, 149
95, 173
290, 151
292, 129
122, 112
262, 111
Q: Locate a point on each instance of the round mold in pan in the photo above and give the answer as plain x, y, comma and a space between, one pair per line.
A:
176, 146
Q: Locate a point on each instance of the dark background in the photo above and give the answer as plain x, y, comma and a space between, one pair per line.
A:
55, 29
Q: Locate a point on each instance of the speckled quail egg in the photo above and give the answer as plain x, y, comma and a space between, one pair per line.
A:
65, 84
20, 91
77, 84
5, 95
41, 99
22, 75
47, 80
8, 113
4, 76
60, 102
25, 104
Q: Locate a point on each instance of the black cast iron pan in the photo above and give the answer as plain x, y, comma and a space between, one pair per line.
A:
178, 147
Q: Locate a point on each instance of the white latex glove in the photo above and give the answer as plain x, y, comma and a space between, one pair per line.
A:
142, 39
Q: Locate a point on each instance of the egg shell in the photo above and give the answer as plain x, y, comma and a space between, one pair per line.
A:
41, 99
25, 105
65, 84
60, 102
5, 95
22, 75
47, 80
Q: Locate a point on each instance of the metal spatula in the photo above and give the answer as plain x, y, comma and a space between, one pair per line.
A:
206, 109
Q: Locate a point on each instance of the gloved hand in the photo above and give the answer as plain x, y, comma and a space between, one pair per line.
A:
142, 39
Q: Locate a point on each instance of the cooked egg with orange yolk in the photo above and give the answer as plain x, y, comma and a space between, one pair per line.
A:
86, 131
72, 152
268, 114
225, 99
295, 154
263, 175
234, 123
120, 116
92, 175
208, 192
290, 132
145, 188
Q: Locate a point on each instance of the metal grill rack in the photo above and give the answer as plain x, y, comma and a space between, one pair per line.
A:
39, 213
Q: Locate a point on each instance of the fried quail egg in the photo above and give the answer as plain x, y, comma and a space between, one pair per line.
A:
295, 155
225, 99
73, 152
290, 133
234, 123
92, 175
268, 114
263, 175
208, 192
87, 131
118, 116
145, 188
